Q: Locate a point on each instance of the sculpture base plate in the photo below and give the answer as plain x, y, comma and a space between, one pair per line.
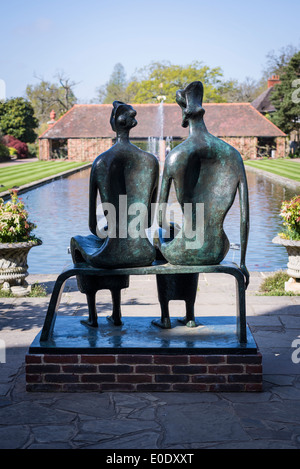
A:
138, 335
141, 357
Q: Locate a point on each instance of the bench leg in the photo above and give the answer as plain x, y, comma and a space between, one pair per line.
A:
189, 319
115, 318
52, 308
164, 322
241, 310
92, 321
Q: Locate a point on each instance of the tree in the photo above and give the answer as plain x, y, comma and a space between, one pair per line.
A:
164, 79
286, 97
277, 61
115, 88
241, 92
17, 119
46, 96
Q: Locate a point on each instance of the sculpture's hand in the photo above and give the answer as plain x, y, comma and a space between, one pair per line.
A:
246, 274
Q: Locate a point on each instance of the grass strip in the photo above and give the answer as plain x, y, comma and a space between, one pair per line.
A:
34, 174
36, 170
290, 170
28, 167
284, 172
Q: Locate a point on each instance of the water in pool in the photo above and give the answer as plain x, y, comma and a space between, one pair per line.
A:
60, 210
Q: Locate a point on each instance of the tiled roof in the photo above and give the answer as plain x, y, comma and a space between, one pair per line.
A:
263, 102
222, 120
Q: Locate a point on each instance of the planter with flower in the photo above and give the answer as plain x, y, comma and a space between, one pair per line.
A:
290, 239
16, 241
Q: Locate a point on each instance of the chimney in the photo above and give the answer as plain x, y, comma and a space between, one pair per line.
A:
52, 120
275, 80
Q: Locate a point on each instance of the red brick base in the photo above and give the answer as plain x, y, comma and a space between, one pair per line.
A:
144, 373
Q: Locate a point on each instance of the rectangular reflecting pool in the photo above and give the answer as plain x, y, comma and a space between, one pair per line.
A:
60, 211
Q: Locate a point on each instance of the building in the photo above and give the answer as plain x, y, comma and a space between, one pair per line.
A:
263, 102
84, 131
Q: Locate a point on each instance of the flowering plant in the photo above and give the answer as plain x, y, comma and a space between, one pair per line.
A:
14, 224
290, 212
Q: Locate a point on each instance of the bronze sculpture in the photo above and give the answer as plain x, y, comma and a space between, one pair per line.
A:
207, 172
124, 176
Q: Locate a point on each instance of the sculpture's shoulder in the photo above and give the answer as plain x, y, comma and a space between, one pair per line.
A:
175, 156
224, 149
145, 156
104, 158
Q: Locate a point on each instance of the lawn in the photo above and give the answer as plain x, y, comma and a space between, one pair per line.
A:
286, 168
19, 174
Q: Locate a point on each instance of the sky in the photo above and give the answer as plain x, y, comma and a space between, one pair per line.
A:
85, 39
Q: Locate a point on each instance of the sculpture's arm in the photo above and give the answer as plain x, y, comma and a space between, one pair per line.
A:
244, 223
93, 203
151, 212
163, 198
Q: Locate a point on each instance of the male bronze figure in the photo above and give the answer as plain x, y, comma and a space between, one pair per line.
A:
125, 177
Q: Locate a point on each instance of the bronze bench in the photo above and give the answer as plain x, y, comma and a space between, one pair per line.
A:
158, 268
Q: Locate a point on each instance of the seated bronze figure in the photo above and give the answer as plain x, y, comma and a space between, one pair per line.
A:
124, 176
207, 173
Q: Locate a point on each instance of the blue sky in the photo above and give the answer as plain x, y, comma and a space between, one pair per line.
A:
86, 38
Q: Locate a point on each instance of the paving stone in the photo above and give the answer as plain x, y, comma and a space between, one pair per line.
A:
53, 433
13, 436
33, 413
96, 405
213, 423
141, 440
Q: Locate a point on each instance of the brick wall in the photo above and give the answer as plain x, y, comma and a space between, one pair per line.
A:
87, 149
144, 373
44, 149
247, 146
280, 147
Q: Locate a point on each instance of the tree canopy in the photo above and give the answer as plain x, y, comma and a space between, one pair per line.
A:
116, 88
163, 79
17, 119
45, 96
286, 97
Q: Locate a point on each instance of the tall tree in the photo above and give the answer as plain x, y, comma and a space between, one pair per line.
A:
276, 61
115, 88
17, 119
286, 97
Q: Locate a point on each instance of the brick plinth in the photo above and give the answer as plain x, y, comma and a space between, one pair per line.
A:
144, 373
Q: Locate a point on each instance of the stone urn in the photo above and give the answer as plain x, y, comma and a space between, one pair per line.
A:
13, 266
293, 266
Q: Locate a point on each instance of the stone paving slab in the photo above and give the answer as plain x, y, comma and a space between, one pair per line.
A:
156, 421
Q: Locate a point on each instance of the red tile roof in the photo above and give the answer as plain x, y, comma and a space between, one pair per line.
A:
222, 120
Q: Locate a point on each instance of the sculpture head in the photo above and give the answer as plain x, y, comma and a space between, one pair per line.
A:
190, 101
122, 116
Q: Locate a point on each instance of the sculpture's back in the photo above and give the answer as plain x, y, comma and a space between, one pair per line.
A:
126, 179
207, 172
